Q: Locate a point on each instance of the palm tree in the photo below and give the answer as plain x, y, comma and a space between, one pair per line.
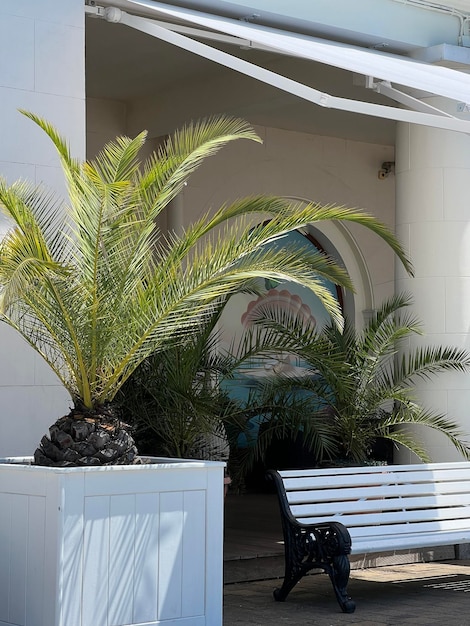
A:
358, 387
174, 399
95, 288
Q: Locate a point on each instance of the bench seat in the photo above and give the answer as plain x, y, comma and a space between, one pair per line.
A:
368, 509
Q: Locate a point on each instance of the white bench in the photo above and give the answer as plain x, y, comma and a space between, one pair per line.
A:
330, 513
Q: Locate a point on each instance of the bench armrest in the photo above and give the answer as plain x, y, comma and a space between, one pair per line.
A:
333, 537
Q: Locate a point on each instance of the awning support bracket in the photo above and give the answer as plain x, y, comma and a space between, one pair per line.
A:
385, 88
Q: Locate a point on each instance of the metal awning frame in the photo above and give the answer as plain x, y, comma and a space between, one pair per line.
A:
180, 36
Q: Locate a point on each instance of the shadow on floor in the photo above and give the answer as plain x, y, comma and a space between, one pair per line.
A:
253, 543
428, 594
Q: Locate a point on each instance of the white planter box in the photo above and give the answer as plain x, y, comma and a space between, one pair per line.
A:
111, 546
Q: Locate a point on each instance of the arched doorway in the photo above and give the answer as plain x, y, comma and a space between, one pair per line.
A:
335, 241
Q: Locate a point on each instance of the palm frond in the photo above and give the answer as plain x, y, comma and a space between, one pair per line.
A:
425, 362
415, 415
165, 172
117, 161
70, 166
97, 291
369, 391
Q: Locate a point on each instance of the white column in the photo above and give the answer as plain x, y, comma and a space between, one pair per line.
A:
42, 69
433, 221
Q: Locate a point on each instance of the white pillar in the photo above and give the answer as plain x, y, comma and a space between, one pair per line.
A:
433, 221
42, 47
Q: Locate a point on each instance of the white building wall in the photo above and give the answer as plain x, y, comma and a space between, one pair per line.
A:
105, 120
41, 70
433, 170
314, 168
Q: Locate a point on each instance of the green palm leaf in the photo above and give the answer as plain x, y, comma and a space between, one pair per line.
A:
95, 288
369, 390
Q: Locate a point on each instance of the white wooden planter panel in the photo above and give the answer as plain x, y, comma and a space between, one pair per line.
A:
111, 546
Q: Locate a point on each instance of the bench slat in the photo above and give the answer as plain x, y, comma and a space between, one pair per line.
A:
376, 478
404, 529
326, 509
445, 517
384, 491
368, 469
368, 545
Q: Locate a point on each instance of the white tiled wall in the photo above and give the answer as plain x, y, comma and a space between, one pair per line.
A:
41, 70
432, 219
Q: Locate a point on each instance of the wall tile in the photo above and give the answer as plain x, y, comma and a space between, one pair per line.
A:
23, 142
16, 171
429, 301
59, 59
43, 374
59, 11
16, 359
457, 299
52, 178
26, 414
16, 41
434, 148
419, 197
41, 48
451, 239
456, 193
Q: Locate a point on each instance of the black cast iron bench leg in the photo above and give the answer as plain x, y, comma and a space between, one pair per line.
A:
339, 576
289, 583
324, 547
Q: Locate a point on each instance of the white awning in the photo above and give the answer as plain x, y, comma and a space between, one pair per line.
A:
437, 80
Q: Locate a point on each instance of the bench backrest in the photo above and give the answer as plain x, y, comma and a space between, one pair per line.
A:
381, 500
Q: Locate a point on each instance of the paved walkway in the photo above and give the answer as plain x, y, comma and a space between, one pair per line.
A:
428, 594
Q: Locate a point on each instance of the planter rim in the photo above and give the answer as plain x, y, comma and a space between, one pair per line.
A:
150, 462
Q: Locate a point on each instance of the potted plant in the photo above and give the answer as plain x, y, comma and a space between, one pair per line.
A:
175, 402
355, 390
94, 535
373, 397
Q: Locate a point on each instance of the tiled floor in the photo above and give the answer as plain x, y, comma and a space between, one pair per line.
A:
252, 526
420, 594
417, 594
